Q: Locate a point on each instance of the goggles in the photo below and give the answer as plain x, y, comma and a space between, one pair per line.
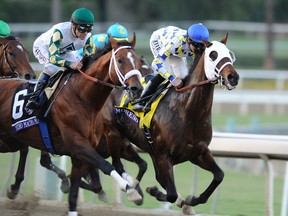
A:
197, 45
84, 28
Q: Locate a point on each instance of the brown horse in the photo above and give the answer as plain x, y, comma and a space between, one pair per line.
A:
14, 59
124, 148
14, 63
72, 132
181, 127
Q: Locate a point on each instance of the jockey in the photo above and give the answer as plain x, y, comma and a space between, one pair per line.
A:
117, 31
54, 48
170, 47
4, 29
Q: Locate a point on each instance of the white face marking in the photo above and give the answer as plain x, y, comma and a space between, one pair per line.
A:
20, 47
130, 57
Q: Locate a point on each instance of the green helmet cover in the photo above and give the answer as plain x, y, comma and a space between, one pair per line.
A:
82, 16
4, 29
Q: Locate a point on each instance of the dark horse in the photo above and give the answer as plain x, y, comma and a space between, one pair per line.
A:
181, 128
72, 119
14, 59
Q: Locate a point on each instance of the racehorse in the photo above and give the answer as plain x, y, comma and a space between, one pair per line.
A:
73, 132
181, 128
14, 63
14, 59
124, 148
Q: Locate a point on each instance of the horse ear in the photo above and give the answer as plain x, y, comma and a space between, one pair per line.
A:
207, 43
133, 41
224, 40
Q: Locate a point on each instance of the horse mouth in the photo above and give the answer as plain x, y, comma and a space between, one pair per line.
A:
231, 81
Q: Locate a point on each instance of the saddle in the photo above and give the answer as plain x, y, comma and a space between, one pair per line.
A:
47, 93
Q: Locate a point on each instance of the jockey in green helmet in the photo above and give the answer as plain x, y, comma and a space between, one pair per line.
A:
4, 29
83, 20
55, 50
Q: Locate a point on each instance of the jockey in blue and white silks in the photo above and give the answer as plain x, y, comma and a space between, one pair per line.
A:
171, 46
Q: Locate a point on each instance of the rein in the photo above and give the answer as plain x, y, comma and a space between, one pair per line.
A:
196, 85
93, 79
118, 72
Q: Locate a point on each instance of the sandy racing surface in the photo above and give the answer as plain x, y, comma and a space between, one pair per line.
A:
35, 207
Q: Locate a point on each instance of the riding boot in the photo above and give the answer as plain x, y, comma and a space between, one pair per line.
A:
148, 90
33, 102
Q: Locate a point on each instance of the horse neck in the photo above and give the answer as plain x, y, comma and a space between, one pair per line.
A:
199, 98
92, 92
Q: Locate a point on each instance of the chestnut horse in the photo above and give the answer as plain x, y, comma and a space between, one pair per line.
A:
14, 59
72, 119
181, 128
124, 148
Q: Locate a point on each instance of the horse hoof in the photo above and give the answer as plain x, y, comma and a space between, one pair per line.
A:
133, 195
65, 186
11, 194
139, 202
102, 196
152, 190
188, 210
179, 202
139, 190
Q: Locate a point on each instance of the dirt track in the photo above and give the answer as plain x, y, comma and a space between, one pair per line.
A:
34, 207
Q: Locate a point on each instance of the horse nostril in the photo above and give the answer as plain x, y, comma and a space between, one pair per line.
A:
27, 77
233, 79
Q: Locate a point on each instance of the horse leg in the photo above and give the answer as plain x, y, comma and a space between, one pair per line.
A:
13, 191
46, 162
88, 154
207, 162
116, 146
130, 153
165, 176
93, 184
77, 171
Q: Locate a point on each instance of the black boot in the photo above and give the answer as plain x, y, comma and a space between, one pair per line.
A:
148, 90
33, 102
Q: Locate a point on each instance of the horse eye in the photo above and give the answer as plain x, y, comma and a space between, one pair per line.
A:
120, 60
213, 55
11, 54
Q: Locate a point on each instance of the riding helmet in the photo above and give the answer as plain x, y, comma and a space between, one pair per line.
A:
118, 32
82, 16
197, 32
4, 29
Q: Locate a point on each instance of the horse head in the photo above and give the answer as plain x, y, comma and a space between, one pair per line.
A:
218, 63
126, 65
116, 64
14, 59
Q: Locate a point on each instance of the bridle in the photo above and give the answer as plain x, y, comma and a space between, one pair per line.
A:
120, 76
6, 62
213, 68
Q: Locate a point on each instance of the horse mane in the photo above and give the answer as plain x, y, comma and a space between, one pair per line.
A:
197, 56
11, 37
88, 60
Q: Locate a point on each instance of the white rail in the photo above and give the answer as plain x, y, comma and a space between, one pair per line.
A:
266, 147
